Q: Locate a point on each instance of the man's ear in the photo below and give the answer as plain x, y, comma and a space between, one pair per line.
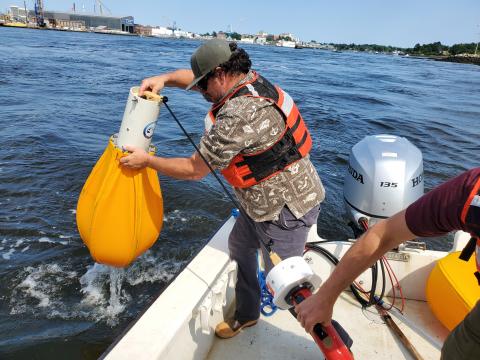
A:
220, 73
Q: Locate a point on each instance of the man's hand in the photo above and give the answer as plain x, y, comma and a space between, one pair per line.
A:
138, 159
155, 84
313, 310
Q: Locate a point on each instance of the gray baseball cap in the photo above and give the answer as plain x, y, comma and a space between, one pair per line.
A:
207, 57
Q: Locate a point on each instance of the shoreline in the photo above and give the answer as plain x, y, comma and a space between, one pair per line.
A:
461, 59
464, 59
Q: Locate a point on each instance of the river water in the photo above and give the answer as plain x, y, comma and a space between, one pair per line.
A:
62, 95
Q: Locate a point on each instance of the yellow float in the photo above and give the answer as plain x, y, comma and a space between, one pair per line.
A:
120, 210
452, 290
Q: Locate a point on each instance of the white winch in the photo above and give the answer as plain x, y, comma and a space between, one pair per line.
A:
291, 281
287, 275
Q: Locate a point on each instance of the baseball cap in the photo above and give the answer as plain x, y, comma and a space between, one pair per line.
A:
207, 57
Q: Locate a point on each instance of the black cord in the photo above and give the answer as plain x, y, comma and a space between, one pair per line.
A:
165, 99
356, 292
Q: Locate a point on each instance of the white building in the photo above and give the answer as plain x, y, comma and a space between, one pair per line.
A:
247, 40
161, 31
288, 35
260, 40
17, 13
182, 34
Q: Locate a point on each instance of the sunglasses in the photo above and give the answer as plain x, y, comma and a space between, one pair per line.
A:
203, 84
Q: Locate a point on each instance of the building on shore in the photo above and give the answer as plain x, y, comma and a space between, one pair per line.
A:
143, 30
72, 20
163, 32
125, 24
17, 14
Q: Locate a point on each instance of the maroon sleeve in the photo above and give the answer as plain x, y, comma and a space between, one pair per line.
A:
438, 211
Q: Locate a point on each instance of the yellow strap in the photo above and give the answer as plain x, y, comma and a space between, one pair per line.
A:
275, 258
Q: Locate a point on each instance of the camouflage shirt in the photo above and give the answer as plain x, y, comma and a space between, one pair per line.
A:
248, 125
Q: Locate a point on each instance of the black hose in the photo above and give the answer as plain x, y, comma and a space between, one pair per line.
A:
312, 246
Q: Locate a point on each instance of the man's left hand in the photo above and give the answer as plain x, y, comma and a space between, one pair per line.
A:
138, 159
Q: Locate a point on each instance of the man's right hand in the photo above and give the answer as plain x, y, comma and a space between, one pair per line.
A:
154, 84
179, 78
315, 309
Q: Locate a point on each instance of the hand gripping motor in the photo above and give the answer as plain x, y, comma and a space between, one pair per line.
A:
291, 281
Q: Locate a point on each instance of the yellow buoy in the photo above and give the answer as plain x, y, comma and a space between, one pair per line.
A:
120, 210
452, 290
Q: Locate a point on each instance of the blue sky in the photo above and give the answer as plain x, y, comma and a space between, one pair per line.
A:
387, 22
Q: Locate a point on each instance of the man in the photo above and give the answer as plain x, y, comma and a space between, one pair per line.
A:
455, 205
257, 138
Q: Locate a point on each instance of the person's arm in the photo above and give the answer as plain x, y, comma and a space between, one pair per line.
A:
180, 78
379, 239
192, 168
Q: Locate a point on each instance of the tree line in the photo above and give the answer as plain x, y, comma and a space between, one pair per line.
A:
433, 49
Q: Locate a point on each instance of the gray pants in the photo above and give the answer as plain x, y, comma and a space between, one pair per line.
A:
288, 235
464, 341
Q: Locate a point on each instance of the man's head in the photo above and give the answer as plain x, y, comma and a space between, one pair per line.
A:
219, 61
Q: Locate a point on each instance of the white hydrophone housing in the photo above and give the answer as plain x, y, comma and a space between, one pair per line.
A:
139, 121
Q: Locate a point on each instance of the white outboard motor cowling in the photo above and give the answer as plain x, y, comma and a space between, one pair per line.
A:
384, 176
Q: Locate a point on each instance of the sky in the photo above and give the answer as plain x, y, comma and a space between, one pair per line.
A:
400, 23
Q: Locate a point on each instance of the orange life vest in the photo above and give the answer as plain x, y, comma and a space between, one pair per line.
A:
471, 218
294, 143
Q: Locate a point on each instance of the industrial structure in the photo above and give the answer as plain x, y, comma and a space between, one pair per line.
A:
39, 13
89, 22
73, 20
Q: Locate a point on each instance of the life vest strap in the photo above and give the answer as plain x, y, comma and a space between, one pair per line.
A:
468, 250
276, 158
477, 275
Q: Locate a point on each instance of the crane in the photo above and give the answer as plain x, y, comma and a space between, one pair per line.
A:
39, 13
102, 6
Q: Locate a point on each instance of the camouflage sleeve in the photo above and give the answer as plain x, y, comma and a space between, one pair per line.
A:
236, 129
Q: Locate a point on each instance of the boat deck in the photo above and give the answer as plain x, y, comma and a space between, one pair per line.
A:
176, 326
281, 337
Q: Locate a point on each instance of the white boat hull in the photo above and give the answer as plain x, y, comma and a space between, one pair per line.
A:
180, 323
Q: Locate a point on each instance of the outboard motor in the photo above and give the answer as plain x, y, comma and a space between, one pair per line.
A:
384, 176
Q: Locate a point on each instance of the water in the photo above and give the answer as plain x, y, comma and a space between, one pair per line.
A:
63, 94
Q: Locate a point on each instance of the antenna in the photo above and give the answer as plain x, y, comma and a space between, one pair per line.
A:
26, 12
476, 47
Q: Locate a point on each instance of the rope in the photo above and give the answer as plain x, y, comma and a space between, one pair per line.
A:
267, 307
165, 100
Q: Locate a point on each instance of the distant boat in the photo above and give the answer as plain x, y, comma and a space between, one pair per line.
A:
286, 43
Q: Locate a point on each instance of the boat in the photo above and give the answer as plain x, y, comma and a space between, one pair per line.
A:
286, 43
180, 323
14, 24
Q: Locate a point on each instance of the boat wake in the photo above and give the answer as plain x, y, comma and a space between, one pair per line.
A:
101, 294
